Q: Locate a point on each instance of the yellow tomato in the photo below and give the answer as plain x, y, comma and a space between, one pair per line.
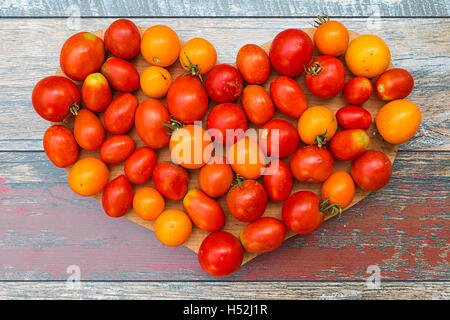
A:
247, 159
160, 46
148, 203
198, 56
173, 227
317, 122
88, 176
155, 81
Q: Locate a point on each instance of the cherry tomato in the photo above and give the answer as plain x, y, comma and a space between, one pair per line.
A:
121, 74
301, 213
247, 201
312, 164
288, 96
215, 177
394, 84
117, 197
88, 130
160, 46
148, 203
198, 56
246, 158
339, 189
226, 123
55, 97
291, 51
96, 92
253, 63
60, 146
331, 37
223, 83
155, 82
354, 117
171, 180
349, 144
117, 148
278, 138
263, 235
205, 212
278, 181
82, 54
357, 90
119, 116
257, 104
325, 76
123, 39
140, 164
173, 227
317, 124
149, 119
88, 176
371, 170
220, 254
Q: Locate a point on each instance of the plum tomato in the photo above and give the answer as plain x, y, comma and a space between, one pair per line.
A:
371, 170
173, 227
330, 37
223, 83
278, 181
278, 138
354, 117
119, 115
198, 56
117, 148
349, 144
257, 104
246, 158
88, 130
171, 180
394, 84
60, 146
247, 200
148, 203
312, 164
215, 178
253, 63
205, 212
150, 117
357, 90
88, 176
338, 189
263, 235
317, 125
288, 96
155, 82
301, 212
160, 46
325, 76
96, 93
117, 197
226, 123
121, 74
123, 39
140, 164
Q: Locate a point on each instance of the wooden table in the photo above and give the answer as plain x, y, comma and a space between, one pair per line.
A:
45, 228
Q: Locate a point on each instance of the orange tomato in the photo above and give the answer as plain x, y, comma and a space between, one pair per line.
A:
155, 81
148, 203
198, 56
339, 189
215, 177
173, 227
160, 46
247, 159
331, 37
88, 176
317, 124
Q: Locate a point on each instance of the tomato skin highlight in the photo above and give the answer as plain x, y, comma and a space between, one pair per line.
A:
122, 39
357, 90
339, 189
119, 115
301, 212
325, 77
117, 148
253, 64
349, 144
88, 130
121, 74
247, 203
149, 118
117, 197
288, 96
394, 84
286, 140
257, 104
223, 117
170, 180
96, 92
279, 183
371, 170
88, 176
263, 235
311, 164
60, 146
224, 83
140, 164
205, 212
354, 117
215, 178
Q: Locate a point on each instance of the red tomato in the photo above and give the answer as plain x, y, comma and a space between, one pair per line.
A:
187, 99
149, 119
338, 189
325, 77
253, 63
291, 51
117, 148
394, 84
263, 235
349, 144
278, 138
288, 96
55, 97
371, 170
205, 212
220, 254
247, 201
82, 54
215, 177
60, 146
278, 181
354, 117
119, 116
121, 74
226, 123
312, 164
88, 130
140, 164
257, 104
301, 213
223, 83
122, 39
117, 197
170, 180
96, 92
357, 90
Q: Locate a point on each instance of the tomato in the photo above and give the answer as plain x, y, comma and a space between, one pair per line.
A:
171, 180
357, 90
278, 181
291, 51
253, 63
148, 203
117, 148
371, 170
257, 104
317, 124
215, 177
55, 97
88, 176
220, 254
140, 164
123, 39
354, 117
330, 37
155, 82
278, 138
60, 146
187, 99
226, 123
312, 164
198, 56
338, 189
160, 46
223, 83
149, 119
367, 56
288, 96
394, 84
349, 144
117, 197
301, 213
205, 212
325, 77
247, 201
263, 235
173, 227
119, 116
88, 130
121, 74
96, 92
246, 158
82, 54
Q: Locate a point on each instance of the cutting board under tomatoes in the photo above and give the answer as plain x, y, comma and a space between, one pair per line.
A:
273, 208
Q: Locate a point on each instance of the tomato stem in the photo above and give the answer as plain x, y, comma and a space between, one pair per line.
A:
238, 181
73, 110
333, 208
321, 139
193, 70
314, 69
172, 126
320, 20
